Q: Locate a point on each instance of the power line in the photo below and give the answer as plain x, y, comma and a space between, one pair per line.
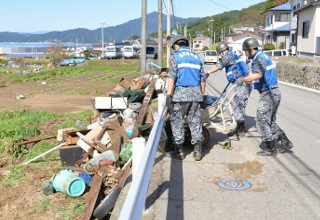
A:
174, 17
220, 5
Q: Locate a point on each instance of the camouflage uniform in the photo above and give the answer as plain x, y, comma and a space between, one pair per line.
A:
240, 99
186, 102
267, 107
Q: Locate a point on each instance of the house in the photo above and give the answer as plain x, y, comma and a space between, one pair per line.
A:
277, 26
235, 40
200, 42
305, 31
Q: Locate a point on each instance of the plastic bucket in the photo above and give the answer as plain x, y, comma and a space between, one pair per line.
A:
67, 182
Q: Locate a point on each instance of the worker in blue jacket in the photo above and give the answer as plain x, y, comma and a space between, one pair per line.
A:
186, 87
265, 80
236, 69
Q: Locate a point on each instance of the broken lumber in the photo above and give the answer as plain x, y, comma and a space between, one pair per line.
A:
92, 198
144, 108
36, 140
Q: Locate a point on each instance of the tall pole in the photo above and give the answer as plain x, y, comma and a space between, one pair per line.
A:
168, 31
102, 40
160, 34
214, 37
211, 30
143, 36
186, 30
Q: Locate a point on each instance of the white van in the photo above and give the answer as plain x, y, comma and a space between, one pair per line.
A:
129, 52
112, 52
276, 53
210, 56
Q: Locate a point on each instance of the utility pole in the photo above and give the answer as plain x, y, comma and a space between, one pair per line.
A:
186, 30
160, 34
214, 37
102, 40
168, 32
211, 30
143, 36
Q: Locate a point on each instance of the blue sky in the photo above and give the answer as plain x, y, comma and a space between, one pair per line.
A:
38, 15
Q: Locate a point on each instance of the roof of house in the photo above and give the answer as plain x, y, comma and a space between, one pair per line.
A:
286, 27
307, 6
246, 33
201, 38
283, 7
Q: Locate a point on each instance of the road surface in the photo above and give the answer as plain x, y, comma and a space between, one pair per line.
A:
282, 187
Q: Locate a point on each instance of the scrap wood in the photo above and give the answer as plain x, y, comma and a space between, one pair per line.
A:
144, 108
72, 140
79, 162
93, 145
36, 140
74, 133
92, 198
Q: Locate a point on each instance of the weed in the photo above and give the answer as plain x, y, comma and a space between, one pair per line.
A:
2, 84
68, 212
43, 205
12, 178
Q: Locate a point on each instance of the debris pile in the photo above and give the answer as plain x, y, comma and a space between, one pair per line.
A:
100, 153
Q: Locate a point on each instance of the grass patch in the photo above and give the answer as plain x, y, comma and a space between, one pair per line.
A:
68, 212
12, 178
43, 205
2, 84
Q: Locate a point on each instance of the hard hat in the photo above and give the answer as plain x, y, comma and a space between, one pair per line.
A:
250, 43
221, 47
178, 38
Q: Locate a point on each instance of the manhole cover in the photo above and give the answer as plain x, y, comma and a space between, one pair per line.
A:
234, 184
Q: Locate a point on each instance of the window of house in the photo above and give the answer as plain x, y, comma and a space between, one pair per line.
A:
199, 42
305, 29
294, 7
293, 38
195, 41
269, 20
298, 5
282, 17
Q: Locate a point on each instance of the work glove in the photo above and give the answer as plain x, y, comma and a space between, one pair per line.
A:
168, 101
206, 75
239, 81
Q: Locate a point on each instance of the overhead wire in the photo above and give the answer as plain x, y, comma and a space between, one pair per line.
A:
221, 5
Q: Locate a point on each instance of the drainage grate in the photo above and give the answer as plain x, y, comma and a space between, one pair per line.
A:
234, 184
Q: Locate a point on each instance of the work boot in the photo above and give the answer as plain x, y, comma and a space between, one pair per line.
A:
270, 149
240, 129
197, 151
177, 153
286, 144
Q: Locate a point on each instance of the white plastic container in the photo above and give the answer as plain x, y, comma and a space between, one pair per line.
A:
138, 145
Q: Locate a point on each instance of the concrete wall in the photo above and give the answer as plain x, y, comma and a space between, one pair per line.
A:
303, 75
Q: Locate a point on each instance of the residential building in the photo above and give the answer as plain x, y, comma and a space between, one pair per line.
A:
277, 26
235, 41
200, 42
305, 36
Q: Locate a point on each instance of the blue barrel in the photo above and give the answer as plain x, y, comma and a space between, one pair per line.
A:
67, 182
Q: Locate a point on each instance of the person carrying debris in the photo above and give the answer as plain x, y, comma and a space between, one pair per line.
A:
186, 74
236, 69
265, 80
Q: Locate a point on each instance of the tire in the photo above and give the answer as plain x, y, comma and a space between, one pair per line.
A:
107, 203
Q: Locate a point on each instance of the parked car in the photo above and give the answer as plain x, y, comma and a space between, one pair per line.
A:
113, 52
276, 53
211, 56
129, 52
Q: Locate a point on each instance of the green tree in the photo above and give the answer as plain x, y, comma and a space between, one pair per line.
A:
282, 45
87, 53
56, 53
135, 37
205, 48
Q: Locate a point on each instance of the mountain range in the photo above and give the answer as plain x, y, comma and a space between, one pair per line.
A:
117, 33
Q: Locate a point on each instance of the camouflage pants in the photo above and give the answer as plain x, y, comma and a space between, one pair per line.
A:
240, 101
266, 115
193, 112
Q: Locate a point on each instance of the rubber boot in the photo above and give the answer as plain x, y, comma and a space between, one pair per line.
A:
197, 151
270, 149
240, 129
286, 144
177, 153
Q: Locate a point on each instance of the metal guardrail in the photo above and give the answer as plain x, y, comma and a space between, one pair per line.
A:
135, 201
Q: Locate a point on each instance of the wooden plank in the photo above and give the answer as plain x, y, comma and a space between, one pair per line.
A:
144, 108
36, 140
92, 198
72, 140
79, 162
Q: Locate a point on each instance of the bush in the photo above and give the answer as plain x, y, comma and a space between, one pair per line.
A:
282, 45
268, 46
205, 48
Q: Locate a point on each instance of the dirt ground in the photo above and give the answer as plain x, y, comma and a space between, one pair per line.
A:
26, 200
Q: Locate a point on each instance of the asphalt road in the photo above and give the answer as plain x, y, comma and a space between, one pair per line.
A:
282, 187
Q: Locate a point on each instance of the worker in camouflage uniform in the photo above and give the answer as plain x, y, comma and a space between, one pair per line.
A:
265, 80
186, 74
236, 69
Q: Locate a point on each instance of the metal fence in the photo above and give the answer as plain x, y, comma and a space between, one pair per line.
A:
135, 201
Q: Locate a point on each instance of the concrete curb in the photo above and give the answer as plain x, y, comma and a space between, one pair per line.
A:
300, 87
